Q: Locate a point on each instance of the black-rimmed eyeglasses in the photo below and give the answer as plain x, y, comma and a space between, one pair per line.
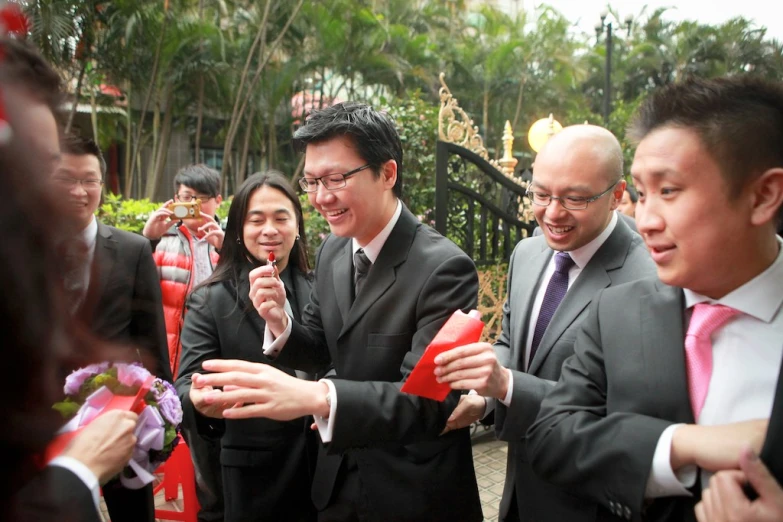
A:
187, 198
330, 181
542, 199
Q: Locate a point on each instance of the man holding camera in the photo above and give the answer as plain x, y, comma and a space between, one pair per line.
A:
187, 239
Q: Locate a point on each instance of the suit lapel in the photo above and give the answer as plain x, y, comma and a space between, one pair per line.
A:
103, 263
594, 277
662, 336
383, 271
301, 289
343, 279
243, 297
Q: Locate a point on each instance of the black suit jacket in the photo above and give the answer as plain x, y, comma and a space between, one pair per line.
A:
626, 383
622, 258
124, 303
407, 471
221, 323
56, 494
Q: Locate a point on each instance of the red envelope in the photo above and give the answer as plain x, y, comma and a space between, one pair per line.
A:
134, 403
460, 329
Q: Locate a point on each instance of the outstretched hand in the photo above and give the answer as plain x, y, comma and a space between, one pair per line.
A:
260, 390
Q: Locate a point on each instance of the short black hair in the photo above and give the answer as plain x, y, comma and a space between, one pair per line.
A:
22, 65
373, 132
631, 190
80, 146
739, 120
201, 178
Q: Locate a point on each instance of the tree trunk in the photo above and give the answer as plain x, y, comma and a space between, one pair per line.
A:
128, 147
149, 179
78, 95
152, 82
235, 112
241, 173
199, 119
163, 146
234, 125
518, 111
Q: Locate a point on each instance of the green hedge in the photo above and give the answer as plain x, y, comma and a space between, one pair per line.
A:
132, 214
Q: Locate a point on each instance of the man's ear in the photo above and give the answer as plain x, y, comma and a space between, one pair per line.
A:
767, 197
389, 173
617, 193
219, 199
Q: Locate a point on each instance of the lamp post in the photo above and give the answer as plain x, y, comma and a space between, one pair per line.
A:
600, 27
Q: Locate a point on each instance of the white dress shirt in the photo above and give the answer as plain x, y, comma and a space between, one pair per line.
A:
89, 235
746, 360
273, 346
581, 257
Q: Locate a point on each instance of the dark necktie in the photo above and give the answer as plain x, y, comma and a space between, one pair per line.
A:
555, 291
361, 265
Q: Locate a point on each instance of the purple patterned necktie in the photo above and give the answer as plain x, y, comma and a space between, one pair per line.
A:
555, 291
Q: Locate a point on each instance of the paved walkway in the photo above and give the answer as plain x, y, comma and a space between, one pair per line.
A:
489, 459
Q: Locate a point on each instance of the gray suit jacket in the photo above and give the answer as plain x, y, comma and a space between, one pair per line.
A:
407, 471
626, 383
622, 258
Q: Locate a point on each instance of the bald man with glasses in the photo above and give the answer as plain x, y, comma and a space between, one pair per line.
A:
577, 185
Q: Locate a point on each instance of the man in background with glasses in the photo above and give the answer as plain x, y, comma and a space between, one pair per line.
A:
577, 185
113, 287
384, 285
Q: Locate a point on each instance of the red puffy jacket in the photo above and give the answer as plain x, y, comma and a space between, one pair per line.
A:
173, 256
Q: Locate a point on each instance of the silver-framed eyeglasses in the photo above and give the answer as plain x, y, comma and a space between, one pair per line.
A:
187, 198
542, 199
330, 181
69, 183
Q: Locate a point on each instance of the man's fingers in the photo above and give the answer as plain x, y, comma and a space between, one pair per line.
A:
459, 352
260, 272
248, 411
237, 396
757, 474
230, 365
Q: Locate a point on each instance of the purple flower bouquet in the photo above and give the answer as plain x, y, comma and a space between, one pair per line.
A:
91, 389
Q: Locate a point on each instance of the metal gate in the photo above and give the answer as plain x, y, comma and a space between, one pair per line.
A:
479, 203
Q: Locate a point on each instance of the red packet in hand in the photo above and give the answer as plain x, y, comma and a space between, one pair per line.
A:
134, 403
460, 329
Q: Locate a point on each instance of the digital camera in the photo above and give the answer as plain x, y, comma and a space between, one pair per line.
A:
189, 210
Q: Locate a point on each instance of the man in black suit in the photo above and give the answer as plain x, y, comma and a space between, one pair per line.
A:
576, 166
672, 377
384, 285
113, 287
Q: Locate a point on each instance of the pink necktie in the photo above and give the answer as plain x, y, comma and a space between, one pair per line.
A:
705, 320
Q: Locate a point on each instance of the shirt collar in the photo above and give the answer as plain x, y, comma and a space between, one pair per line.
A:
89, 234
585, 253
761, 297
373, 248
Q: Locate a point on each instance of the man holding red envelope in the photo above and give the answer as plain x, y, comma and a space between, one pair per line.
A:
577, 185
384, 286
